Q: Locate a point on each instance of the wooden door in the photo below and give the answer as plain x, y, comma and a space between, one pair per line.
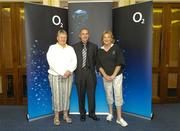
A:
166, 53
9, 54
172, 61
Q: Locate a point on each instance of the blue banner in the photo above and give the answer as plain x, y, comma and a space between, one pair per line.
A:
42, 24
88, 15
132, 27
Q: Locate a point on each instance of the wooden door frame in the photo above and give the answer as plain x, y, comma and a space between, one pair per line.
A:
159, 69
21, 70
14, 70
167, 68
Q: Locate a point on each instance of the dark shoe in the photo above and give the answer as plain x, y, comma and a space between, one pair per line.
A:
94, 117
83, 117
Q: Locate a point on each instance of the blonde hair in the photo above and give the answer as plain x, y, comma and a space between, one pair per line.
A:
61, 31
110, 33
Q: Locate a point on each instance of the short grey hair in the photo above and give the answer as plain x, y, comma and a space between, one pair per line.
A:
61, 31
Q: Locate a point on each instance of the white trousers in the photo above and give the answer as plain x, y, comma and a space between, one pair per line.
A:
114, 87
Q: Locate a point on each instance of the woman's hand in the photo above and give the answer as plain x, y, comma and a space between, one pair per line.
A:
112, 77
67, 74
107, 78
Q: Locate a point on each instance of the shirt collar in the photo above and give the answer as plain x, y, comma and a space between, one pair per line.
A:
102, 47
84, 44
60, 45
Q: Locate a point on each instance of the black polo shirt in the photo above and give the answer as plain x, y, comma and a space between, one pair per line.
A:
110, 59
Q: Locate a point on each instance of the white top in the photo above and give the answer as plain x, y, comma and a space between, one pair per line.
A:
61, 59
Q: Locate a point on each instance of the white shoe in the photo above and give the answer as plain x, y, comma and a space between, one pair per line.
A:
122, 122
109, 117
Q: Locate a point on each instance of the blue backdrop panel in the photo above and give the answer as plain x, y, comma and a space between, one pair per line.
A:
132, 30
42, 24
132, 27
97, 17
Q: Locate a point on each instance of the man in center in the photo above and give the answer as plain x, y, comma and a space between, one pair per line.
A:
85, 76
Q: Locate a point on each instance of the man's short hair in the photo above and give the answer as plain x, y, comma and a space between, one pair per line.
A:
84, 29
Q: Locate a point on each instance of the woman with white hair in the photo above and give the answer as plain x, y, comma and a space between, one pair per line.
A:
62, 62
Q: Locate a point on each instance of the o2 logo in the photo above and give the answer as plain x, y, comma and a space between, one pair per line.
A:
57, 21
138, 18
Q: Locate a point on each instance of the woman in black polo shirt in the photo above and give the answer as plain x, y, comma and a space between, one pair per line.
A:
109, 62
